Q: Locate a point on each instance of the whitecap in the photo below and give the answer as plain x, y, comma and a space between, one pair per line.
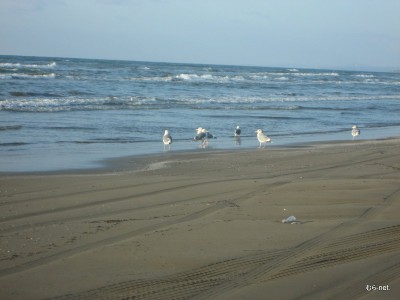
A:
206, 77
56, 104
156, 78
364, 75
10, 65
187, 76
317, 74
19, 65
34, 76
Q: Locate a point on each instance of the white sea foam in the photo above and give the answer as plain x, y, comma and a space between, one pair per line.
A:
73, 103
364, 75
19, 65
155, 78
188, 76
191, 77
283, 99
28, 76
47, 104
18, 76
259, 77
317, 74
251, 77
269, 102
204, 77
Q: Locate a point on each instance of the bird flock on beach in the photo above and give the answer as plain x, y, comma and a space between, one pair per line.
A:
203, 135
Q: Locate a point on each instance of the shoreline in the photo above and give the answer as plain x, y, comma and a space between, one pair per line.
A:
91, 156
208, 226
140, 162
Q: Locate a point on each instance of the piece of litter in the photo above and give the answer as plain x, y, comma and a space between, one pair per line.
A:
291, 220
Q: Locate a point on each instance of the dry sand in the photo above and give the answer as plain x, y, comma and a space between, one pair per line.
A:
209, 226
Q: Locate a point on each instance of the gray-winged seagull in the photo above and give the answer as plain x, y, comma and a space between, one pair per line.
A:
167, 139
262, 138
238, 131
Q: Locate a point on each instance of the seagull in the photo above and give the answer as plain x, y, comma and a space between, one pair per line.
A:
207, 133
262, 138
355, 132
167, 139
201, 136
238, 131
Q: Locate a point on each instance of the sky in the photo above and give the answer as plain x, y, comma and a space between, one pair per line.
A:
335, 34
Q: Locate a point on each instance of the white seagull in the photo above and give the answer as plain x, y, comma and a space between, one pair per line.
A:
262, 138
201, 136
238, 131
167, 139
355, 132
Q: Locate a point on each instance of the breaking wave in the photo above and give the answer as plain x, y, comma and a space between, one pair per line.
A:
47, 102
33, 66
27, 76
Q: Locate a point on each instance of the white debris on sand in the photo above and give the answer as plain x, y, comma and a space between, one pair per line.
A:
291, 220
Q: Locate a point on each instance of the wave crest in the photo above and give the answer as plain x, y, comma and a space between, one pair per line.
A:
35, 66
27, 76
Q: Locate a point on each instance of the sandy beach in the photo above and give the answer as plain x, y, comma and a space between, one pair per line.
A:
208, 225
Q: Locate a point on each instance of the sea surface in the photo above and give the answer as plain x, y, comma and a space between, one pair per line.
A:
64, 113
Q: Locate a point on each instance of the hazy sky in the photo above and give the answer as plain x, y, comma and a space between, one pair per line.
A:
349, 34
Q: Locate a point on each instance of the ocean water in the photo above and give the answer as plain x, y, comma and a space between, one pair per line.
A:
63, 113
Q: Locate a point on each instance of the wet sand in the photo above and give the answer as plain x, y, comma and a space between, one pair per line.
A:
208, 225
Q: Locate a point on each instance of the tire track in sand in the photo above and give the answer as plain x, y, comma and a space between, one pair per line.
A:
114, 200
195, 284
206, 285
159, 191
106, 201
303, 250
220, 204
69, 252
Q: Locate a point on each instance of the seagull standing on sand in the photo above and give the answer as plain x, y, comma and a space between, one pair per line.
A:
238, 131
262, 138
355, 132
167, 139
